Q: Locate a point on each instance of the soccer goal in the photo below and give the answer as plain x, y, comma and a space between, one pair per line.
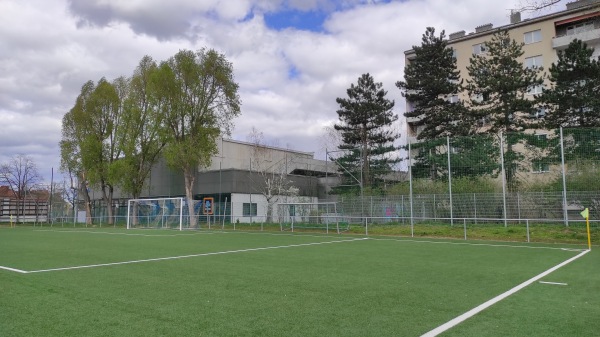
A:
160, 213
310, 216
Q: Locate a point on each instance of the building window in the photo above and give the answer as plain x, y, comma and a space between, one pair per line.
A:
292, 210
533, 37
249, 209
479, 48
533, 62
540, 166
535, 90
454, 53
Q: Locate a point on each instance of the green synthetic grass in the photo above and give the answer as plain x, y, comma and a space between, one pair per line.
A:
375, 287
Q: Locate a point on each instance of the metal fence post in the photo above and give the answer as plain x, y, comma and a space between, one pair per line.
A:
449, 180
410, 185
564, 179
519, 205
503, 178
474, 208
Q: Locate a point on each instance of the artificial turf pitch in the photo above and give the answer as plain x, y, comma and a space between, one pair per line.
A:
103, 282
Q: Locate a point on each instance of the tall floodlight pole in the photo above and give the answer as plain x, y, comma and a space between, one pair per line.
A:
410, 191
503, 178
362, 195
449, 180
326, 173
564, 178
49, 216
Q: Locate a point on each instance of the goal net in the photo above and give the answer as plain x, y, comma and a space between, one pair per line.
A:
319, 216
163, 213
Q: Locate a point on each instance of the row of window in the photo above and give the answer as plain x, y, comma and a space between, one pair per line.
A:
529, 38
535, 90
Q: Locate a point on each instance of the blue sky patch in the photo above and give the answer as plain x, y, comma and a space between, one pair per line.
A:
293, 72
311, 20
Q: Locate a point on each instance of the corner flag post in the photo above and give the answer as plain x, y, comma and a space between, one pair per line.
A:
586, 215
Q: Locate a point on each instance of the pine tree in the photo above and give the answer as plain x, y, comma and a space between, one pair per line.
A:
365, 121
501, 90
431, 85
501, 87
573, 100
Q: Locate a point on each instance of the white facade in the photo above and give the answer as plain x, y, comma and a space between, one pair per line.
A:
253, 208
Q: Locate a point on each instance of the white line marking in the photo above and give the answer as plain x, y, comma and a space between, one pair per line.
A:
111, 233
481, 244
554, 283
481, 307
572, 249
193, 255
331, 235
15, 270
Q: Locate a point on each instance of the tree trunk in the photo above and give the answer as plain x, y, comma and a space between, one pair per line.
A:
109, 206
190, 177
270, 210
87, 202
108, 200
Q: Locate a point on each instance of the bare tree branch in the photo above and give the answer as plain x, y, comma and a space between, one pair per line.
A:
535, 5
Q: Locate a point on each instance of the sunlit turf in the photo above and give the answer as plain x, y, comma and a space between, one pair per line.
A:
302, 285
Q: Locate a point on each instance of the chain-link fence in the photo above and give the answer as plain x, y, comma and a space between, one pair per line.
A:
538, 175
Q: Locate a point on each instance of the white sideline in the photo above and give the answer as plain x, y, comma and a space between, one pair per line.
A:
13, 269
186, 256
457, 320
480, 244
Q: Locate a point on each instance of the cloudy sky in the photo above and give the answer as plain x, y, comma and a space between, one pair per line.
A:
291, 58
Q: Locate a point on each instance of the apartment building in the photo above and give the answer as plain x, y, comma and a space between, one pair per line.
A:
543, 36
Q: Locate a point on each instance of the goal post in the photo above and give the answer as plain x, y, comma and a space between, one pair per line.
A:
310, 216
157, 213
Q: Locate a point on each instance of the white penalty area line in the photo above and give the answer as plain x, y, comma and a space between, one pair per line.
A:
554, 283
180, 257
446, 326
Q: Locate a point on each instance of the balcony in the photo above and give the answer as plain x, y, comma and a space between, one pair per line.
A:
589, 36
